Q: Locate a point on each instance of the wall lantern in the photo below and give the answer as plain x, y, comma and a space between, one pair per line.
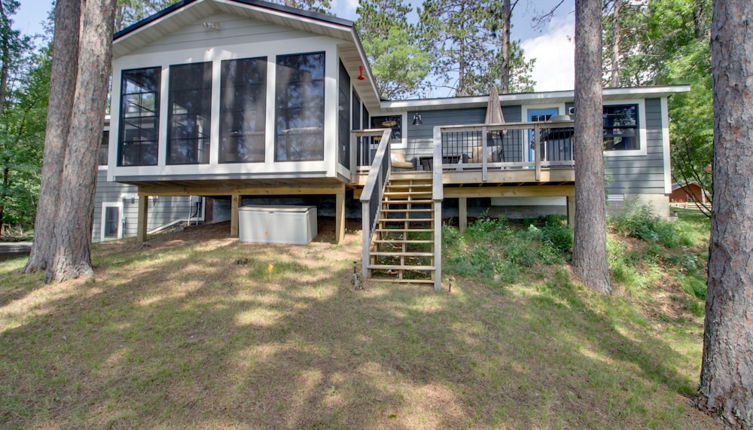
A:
417, 120
361, 77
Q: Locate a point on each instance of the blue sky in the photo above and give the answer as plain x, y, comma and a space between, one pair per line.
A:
551, 45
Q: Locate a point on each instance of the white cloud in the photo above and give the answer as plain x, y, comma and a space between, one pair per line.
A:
554, 52
345, 8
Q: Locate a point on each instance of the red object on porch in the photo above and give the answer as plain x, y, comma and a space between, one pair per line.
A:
361, 77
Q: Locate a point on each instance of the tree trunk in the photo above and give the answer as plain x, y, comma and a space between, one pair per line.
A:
614, 80
5, 48
62, 89
589, 245
727, 373
73, 230
504, 84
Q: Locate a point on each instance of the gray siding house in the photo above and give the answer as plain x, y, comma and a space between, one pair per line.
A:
248, 101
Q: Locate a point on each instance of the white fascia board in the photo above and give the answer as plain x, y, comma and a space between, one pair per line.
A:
507, 99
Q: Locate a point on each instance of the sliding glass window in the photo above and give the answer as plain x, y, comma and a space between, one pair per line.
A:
139, 117
299, 107
189, 115
243, 110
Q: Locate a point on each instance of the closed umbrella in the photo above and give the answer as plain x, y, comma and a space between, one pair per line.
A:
494, 116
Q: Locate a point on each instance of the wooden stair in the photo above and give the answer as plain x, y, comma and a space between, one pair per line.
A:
403, 246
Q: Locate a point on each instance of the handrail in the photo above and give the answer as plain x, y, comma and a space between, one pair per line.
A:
508, 126
371, 196
437, 191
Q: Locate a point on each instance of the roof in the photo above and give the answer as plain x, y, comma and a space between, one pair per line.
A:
258, 3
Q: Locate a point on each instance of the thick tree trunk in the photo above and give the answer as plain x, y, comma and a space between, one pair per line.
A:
589, 246
614, 80
504, 86
74, 225
727, 373
4, 55
62, 90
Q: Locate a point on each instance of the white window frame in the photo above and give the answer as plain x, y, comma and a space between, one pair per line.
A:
642, 139
102, 220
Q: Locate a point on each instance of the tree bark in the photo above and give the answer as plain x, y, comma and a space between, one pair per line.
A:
589, 245
504, 86
614, 80
5, 55
73, 230
726, 386
62, 90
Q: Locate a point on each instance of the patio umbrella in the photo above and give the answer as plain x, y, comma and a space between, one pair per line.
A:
494, 116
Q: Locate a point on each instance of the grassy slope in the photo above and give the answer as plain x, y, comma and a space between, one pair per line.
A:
179, 335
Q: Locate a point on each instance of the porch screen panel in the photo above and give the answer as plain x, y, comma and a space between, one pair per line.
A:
243, 104
299, 107
139, 117
189, 114
343, 117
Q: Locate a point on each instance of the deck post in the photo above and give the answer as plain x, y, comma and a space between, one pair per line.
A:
340, 215
537, 152
234, 205
463, 213
143, 218
571, 211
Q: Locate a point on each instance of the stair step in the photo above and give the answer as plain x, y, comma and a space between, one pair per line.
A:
409, 241
408, 210
404, 230
409, 185
401, 254
398, 267
403, 281
402, 202
407, 193
405, 219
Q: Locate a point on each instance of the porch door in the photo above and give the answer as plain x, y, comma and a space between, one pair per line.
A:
111, 223
538, 115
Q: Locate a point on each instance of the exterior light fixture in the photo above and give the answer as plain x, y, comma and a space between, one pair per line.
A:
417, 120
361, 77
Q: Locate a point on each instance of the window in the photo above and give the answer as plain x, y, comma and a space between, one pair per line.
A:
343, 117
104, 149
621, 127
139, 117
299, 107
111, 220
355, 109
395, 122
189, 114
243, 103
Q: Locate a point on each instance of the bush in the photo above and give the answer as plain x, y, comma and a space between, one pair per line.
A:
641, 223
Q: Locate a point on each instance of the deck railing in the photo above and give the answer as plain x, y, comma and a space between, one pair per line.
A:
371, 197
485, 147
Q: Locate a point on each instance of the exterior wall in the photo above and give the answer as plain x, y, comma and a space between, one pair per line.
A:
235, 38
682, 194
162, 210
659, 204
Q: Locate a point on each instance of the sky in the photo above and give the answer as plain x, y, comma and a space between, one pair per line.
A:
551, 46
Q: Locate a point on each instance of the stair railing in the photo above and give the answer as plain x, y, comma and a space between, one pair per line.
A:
373, 191
437, 197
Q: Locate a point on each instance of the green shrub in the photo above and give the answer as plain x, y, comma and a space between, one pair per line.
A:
641, 223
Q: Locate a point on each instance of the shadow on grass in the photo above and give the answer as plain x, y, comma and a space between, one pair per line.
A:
181, 336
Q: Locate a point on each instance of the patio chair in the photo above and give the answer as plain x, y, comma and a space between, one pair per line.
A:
397, 158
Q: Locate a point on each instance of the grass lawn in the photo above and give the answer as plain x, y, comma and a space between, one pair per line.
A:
179, 335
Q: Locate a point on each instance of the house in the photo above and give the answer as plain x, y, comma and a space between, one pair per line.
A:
244, 101
687, 192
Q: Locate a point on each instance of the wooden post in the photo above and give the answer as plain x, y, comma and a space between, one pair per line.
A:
143, 218
340, 215
571, 211
537, 152
437, 245
235, 201
463, 213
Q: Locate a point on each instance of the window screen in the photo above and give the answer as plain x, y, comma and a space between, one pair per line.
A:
243, 104
621, 127
139, 117
112, 219
299, 107
190, 106
343, 117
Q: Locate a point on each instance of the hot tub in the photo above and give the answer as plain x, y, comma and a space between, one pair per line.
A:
294, 225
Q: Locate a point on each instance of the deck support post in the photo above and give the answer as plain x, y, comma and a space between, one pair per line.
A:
142, 217
235, 201
340, 215
571, 211
463, 213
